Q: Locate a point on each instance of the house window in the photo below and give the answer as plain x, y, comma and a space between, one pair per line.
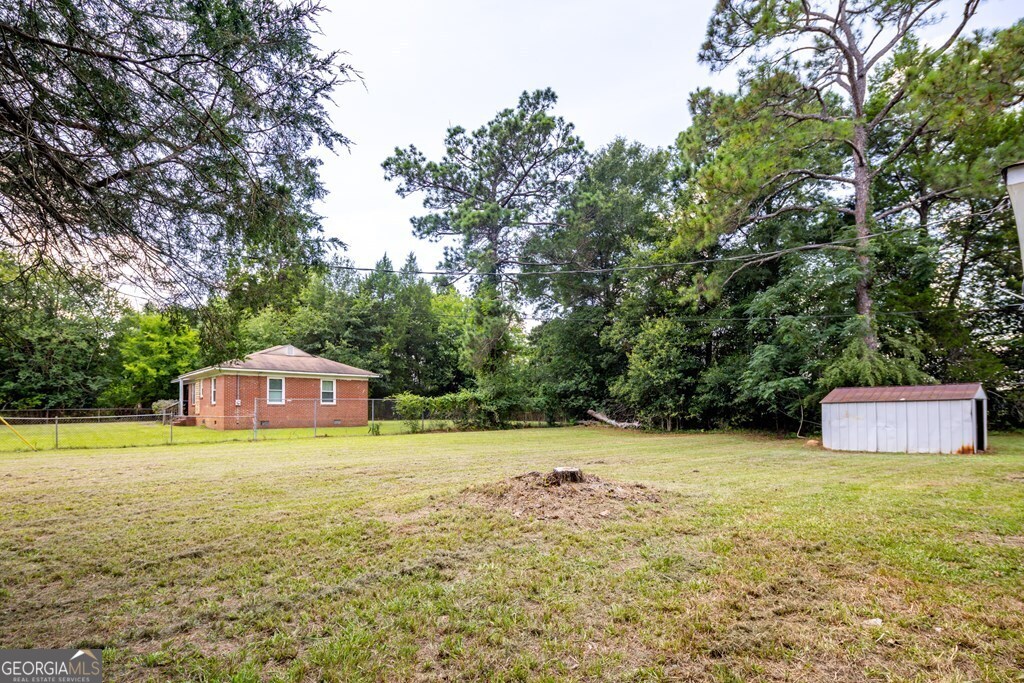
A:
213, 391
327, 391
201, 388
195, 393
275, 390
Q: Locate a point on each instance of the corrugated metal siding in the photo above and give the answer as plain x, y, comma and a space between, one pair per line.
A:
890, 416
826, 425
903, 427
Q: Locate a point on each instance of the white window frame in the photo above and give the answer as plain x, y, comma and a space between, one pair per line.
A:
195, 394
213, 391
334, 392
276, 403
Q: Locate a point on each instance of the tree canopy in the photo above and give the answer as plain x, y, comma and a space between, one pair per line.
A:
835, 219
844, 93
162, 142
493, 190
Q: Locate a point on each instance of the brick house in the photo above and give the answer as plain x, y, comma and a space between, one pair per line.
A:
280, 387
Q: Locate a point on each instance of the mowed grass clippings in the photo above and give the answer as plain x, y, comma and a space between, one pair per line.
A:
407, 558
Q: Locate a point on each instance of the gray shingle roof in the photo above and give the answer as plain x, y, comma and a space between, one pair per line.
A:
287, 358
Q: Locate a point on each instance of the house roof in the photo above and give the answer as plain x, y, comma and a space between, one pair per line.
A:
935, 392
283, 359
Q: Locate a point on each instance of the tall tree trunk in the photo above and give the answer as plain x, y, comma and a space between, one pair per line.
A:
961, 269
492, 271
862, 204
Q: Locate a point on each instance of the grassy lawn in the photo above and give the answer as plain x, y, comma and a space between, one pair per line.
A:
411, 558
126, 433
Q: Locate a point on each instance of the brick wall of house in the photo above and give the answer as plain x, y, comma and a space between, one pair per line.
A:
301, 393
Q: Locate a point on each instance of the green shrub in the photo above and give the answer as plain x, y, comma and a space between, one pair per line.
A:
165, 405
465, 409
166, 408
411, 409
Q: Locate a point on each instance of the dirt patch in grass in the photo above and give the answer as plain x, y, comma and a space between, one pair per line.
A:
991, 539
589, 503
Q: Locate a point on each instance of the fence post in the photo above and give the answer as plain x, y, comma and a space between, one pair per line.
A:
316, 402
56, 431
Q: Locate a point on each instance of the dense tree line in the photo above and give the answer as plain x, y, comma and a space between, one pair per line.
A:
837, 219
390, 321
79, 344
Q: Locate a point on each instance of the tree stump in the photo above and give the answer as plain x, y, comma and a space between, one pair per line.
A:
565, 475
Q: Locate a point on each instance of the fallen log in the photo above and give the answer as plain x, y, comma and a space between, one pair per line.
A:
614, 423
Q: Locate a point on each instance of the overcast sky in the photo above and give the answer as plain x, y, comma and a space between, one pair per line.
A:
619, 68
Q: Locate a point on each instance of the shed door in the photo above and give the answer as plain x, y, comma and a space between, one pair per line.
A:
979, 422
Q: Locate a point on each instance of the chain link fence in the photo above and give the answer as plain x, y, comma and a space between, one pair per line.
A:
18, 432
298, 418
315, 418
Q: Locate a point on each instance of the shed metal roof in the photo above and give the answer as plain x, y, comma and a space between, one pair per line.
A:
934, 392
284, 359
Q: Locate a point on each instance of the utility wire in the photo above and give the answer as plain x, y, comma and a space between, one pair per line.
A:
751, 257
779, 316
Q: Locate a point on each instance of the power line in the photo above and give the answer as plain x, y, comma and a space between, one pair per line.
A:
739, 258
776, 316
742, 259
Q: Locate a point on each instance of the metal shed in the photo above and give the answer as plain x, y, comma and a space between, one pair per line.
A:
944, 418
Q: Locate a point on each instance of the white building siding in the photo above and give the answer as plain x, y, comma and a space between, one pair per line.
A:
947, 426
902, 439
902, 427
890, 416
